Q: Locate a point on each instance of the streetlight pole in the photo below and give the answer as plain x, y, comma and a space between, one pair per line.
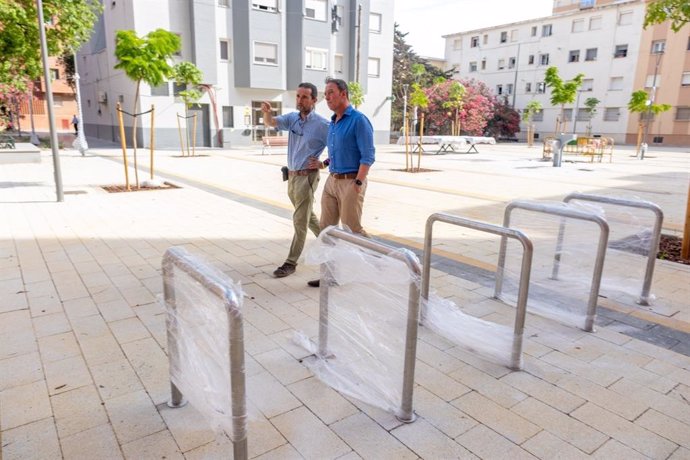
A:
49, 96
650, 103
405, 86
81, 136
517, 61
577, 105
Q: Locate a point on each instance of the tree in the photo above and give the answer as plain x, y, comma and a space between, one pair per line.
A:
640, 103
532, 108
187, 74
355, 93
562, 92
456, 93
676, 11
505, 122
591, 108
404, 58
19, 38
144, 59
477, 108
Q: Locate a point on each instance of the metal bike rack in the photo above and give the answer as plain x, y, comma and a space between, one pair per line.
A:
563, 212
656, 232
526, 267
406, 414
179, 258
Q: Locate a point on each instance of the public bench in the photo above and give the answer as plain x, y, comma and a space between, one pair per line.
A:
586, 146
7, 142
447, 144
273, 141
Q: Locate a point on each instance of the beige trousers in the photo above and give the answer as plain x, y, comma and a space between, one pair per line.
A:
340, 202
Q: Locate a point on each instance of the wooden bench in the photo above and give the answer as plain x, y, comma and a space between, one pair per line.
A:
273, 141
7, 142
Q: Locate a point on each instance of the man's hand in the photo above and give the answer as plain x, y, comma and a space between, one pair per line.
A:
265, 107
314, 163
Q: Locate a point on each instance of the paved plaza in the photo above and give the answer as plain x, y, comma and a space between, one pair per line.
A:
83, 348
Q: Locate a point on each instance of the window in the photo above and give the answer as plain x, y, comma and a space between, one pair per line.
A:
658, 139
653, 81
374, 67
224, 50
484, 64
685, 79
538, 115
504, 37
583, 115
499, 89
574, 56
544, 59
587, 84
585, 4
474, 41
54, 74
546, 30
457, 44
528, 87
485, 39
567, 114
509, 88
228, 117
625, 18
265, 53
514, 35
658, 46
578, 25
530, 59
541, 87
178, 88
595, 23
688, 43
375, 23
616, 84
57, 100
178, 51
511, 63
501, 64
683, 114
161, 90
534, 31
316, 58
316, 9
223, 2
645, 115
338, 63
473, 66
621, 51
612, 113
591, 54
265, 5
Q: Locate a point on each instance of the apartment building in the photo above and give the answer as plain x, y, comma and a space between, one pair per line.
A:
604, 40
249, 51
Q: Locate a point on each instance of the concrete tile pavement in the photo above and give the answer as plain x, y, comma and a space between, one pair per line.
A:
83, 367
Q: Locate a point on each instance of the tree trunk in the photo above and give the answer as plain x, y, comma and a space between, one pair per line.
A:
134, 134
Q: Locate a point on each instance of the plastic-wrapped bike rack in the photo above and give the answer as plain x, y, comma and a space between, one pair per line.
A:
525, 270
406, 413
210, 280
564, 213
656, 231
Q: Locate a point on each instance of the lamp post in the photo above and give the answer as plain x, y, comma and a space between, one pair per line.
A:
405, 86
517, 60
577, 105
650, 103
82, 145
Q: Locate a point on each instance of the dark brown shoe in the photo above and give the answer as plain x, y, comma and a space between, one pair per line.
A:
314, 283
284, 270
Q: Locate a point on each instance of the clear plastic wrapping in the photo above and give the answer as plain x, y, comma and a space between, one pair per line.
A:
203, 324
363, 353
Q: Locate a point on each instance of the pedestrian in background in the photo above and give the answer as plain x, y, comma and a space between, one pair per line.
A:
75, 123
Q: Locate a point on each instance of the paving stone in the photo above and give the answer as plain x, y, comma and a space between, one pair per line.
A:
269, 396
547, 446
98, 442
129, 330
485, 443
67, 374
283, 366
428, 442
24, 404
133, 416
680, 453
499, 392
614, 449
438, 383
617, 403
78, 410
451, 421
323, 401
544, 391
629, 434
285, 452
158, 445
666, 427
369, 439
34, 440
151, 365
300, 427
20, 370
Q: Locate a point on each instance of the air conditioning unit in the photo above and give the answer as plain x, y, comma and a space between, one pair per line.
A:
102, 97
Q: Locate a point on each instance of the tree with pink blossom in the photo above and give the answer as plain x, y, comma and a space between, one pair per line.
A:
475, 112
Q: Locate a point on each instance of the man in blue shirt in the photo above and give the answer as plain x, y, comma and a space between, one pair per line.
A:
351, 153
307, 135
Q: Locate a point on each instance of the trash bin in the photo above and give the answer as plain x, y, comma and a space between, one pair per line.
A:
559, 144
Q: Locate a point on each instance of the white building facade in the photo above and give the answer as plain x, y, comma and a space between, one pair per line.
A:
249, 51
605, 41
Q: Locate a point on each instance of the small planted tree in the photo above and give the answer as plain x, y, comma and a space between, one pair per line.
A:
562, 92
640, 103
355, 93
456, 93
144, 59
531, 109
591, 108
418, 98
189, 75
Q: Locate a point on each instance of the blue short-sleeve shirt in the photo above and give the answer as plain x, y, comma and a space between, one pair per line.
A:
306, 138
350, 142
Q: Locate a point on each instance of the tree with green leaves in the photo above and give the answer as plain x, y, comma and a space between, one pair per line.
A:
640, 103
532, 108
418, 98
591, 109
355, 93
456, 94
187, 74
562, 92
144, 59
676, 11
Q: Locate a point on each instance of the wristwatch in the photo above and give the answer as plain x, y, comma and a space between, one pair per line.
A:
358, 182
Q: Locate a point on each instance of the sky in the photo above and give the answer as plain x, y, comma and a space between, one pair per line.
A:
428, 20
